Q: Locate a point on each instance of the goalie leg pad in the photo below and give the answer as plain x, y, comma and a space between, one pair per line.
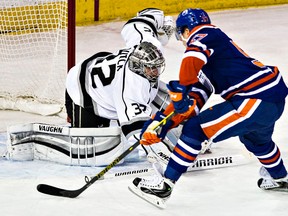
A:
71, 146
21, 152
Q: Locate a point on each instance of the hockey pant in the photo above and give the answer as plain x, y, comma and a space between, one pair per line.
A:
252, 120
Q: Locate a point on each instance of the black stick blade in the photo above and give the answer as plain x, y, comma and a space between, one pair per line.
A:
54, 191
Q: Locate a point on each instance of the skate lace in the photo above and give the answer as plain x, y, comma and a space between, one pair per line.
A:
154, 181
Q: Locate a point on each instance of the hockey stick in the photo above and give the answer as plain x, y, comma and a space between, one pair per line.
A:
204, 162
55, 191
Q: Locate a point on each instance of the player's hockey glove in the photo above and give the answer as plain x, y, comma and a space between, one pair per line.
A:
150, 136
183, 104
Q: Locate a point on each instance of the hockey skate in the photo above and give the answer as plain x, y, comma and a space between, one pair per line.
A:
154, 189
266, 182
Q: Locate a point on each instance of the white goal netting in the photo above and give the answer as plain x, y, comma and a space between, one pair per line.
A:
33, 55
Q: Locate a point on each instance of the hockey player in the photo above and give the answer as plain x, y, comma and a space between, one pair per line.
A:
107, 86
117, 86
149, 25
254, 98
109, 91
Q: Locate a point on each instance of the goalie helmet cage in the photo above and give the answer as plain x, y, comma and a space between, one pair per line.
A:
37, 43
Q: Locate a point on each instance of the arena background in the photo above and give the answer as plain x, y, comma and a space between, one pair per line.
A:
99, 11
88, 11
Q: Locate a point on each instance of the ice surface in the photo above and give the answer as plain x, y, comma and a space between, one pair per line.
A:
262, 33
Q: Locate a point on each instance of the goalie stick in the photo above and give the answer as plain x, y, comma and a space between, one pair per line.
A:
55, 191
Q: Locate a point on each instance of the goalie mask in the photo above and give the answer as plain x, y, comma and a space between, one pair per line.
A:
147, 61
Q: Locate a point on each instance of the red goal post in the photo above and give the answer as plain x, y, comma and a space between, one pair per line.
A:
37, 43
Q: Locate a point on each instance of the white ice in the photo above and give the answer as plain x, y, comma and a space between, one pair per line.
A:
262, 33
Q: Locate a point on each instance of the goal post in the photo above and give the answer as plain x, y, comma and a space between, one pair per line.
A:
37, 47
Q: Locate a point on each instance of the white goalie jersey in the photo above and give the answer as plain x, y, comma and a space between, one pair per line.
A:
114, 91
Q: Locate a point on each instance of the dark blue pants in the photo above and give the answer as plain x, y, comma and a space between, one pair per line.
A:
250, 119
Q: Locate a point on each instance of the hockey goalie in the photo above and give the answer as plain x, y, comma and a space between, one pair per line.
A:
109, 97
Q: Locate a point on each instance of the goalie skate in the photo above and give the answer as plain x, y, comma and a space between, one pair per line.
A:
268, 183
154, 189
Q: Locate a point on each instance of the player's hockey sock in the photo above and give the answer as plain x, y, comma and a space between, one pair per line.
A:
270, 157
183, 156
186, 149
273, 162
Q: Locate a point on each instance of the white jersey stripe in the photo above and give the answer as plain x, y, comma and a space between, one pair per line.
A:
255, 76
264, 88
196, 55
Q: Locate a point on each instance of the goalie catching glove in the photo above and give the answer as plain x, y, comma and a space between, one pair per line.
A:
167, 30
150, 136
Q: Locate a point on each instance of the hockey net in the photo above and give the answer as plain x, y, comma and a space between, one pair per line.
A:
33, 57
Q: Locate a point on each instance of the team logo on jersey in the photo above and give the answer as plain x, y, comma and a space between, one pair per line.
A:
198, 37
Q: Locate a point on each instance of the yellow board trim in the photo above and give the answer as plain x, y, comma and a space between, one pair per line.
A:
15, 21
34, 18
124, 9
